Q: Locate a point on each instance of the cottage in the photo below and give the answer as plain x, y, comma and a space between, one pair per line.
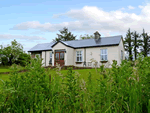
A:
103, 50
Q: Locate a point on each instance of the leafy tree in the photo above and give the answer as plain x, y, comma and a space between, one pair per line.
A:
145, 43
1, 48
136, 43
128, 44
12, 52
4, 60
23, 59
64, 35
86, 36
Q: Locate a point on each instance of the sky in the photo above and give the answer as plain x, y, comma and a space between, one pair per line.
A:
31, 22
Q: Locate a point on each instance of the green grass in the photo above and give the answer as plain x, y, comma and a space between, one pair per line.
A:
8, 68
83, 73
4, 77
121, 89
5, 69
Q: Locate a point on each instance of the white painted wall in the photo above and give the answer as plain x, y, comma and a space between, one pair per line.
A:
70, 56
121, 47
43, 58
47, 58
95, 54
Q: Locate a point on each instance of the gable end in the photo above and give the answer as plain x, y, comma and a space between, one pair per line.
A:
61, 43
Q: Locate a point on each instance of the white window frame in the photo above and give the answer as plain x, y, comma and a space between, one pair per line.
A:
80, 55
121, 55
50, 56
104, 54
38, 55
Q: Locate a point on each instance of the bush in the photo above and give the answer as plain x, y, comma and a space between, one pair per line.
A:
124, 88
4, 61
23, 59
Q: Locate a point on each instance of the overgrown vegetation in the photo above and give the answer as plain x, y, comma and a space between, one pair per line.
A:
124, 88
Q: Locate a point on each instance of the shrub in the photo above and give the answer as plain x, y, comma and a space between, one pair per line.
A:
23, 59
124, 88
4, 61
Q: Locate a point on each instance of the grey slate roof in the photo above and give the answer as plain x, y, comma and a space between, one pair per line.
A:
41, 47
105, 41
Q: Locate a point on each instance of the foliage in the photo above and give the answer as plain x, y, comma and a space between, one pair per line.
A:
1, 47
23, 59
64, 35
86, 36
13, 54
124, 88
145, 43
128, 44
136, 43
4, 61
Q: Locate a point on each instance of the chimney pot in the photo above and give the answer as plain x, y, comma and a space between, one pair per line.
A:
97, 37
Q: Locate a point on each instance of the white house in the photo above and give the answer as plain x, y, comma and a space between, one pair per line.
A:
80, 52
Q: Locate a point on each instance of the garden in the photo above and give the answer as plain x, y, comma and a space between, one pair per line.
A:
124, 88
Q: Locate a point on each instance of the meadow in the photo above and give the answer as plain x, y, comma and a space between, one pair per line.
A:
124, 88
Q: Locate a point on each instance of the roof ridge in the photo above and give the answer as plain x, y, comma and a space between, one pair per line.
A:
91, 38
111, 36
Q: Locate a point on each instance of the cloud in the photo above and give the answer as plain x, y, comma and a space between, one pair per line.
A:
22, 37
89, 19
131, 7
141, 7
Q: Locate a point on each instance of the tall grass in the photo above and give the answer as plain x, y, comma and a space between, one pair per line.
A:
124, 88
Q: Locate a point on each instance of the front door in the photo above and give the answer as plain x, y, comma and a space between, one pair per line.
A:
59, 58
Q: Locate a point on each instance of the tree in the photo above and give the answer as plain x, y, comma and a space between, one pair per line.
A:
1, 47
12, 52
64, 35
128, 44
86, 36
23, 59
145, 43
136, 43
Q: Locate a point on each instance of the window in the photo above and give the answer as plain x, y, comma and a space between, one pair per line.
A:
37, 55
79, 56
103, 54
121, 55
57, 56
61, 56
50, 62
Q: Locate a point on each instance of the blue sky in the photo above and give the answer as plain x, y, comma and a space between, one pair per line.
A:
37, 21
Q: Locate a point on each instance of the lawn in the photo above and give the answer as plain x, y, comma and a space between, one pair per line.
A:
5, 69
82, 72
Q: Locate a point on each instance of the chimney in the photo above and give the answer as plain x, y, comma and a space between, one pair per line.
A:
97, 37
